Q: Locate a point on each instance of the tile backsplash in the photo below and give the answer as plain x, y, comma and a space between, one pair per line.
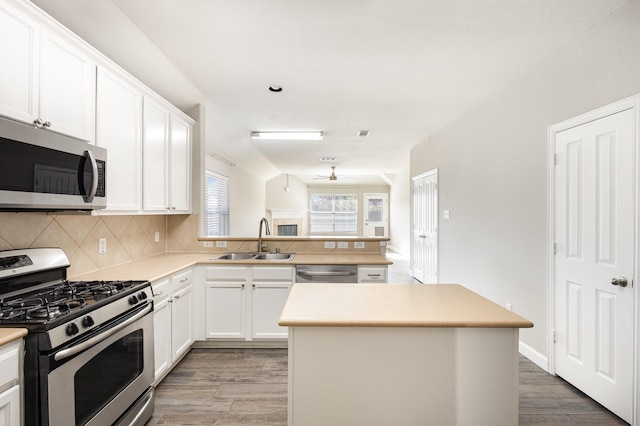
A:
128, 237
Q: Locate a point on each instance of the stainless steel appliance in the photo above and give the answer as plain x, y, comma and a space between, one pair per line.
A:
42, 170
327, 273
89, 351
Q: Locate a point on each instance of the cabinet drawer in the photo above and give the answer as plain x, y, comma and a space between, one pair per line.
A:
227, 273
372, 274
273, 273
161, 290
181, 280
9, 363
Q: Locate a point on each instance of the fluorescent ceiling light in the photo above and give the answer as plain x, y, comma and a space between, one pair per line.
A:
315, 135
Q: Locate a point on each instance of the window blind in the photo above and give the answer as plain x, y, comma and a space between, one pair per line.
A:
216, 211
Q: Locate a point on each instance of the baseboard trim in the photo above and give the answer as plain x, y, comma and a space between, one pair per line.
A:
534, 356
241, 344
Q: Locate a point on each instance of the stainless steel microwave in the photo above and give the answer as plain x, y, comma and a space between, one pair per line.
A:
42, 170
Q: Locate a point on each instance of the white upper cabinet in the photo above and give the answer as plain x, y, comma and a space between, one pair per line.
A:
45, 79
167, 160
67, 88
119, 130
19, 43
156, 149
180, 165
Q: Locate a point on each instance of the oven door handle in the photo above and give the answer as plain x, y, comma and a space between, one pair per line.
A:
66, 353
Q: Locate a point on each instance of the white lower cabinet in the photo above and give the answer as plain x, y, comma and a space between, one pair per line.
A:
245, 302
172, 321
10, 410
269, 291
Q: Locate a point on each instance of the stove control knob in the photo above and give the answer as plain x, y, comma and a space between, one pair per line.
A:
142, 295
133, 300
87, 321
72, 329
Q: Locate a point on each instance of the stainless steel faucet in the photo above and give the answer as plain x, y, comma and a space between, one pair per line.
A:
266, 232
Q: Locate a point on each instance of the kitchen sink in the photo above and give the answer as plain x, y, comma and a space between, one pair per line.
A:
254, 256
234, 256
273, 256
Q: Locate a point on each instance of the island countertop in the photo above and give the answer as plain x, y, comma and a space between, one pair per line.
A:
397, 305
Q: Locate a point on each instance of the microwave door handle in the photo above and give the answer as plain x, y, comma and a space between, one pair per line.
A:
66, 353
94, 176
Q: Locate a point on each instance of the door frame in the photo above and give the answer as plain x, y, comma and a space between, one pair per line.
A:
633, 103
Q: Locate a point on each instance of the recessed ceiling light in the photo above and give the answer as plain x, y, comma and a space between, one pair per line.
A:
315, 135
364, 133
275, 89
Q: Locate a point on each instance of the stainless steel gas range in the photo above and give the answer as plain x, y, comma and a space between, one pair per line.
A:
89, 352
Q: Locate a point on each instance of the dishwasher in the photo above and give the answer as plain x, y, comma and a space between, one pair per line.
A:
327, 273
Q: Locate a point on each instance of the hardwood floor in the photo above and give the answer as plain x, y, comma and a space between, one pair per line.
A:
249, 387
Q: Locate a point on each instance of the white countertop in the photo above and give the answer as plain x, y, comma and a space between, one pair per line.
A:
397, 305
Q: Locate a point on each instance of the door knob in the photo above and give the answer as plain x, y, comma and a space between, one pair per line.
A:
619, 281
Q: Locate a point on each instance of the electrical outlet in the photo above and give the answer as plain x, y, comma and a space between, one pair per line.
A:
358, 244
329, 244
156, 236
207, 244
343, 245
221, 244
102, 245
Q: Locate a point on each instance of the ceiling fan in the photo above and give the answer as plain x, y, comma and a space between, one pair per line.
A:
332, 176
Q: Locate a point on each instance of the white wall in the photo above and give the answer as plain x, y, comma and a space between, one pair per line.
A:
295, 198
492, 166
400, 213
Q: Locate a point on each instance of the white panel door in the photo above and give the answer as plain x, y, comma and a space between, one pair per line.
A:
424, 260
594, 236
376, 215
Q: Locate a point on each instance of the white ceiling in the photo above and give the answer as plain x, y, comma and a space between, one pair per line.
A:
402, 69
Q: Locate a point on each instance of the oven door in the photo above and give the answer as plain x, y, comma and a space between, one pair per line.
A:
100, 383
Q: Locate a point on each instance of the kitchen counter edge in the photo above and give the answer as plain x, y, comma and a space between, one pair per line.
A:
157, 267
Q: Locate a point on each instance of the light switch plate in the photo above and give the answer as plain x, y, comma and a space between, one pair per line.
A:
207, 244
102, 245
222, 244
446, 214
358, 244
343, 244
329, 244
156, 236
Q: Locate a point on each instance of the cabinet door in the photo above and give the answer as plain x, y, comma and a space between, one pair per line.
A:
19, 43
10, 407
162, 337
155, 165
182, 322
119, 130
226, 310
267, 301
67, 88
180, 165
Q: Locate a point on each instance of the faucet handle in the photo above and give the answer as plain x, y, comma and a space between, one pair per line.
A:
277, 249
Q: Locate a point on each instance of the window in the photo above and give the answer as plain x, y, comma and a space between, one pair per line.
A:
216, 205
333, 214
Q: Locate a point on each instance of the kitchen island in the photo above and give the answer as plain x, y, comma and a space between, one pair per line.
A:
404, 354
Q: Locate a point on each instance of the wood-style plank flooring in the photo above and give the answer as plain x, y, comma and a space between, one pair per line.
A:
249, 387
